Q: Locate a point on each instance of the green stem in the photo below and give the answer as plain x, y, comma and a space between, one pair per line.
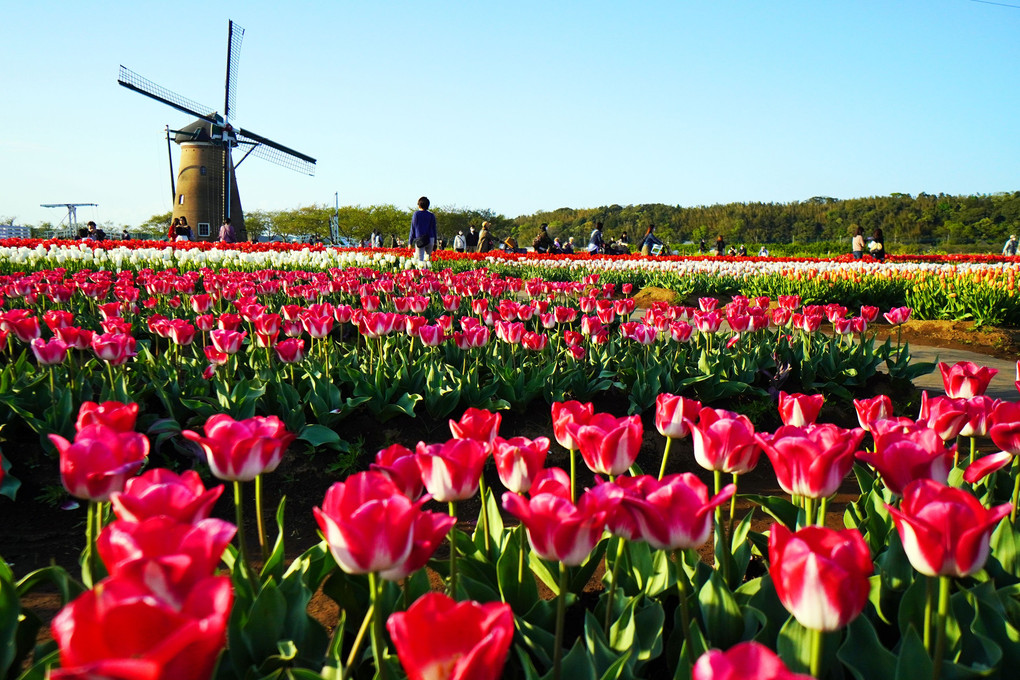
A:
945, 583
374, 585
612, 587
453, 552
929, 614
665, 457
816, 653
573, 476
263, 544
561, 615
683, 589
973, 449
484, 516
520, 554
733, 507
1016, 489
358, 640
823, 510
810, 511
720, 529
242, 547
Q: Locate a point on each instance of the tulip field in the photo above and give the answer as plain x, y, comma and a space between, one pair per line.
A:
560, 484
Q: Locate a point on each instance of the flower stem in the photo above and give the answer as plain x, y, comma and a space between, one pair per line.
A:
945, 583
242, 547
1016, 489
665, 457
929, 613
484, 516
816, 653
573, 476
612, 586
683, 589
453, 552
733, 507
720, 531
520, 555
263, 545
374, 585
352, 657
561, 615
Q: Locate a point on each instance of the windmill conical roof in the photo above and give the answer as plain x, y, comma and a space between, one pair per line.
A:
199, 131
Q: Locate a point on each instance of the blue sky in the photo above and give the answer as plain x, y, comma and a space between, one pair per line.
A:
518, 107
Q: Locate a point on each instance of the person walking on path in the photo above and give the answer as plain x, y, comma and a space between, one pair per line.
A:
423, 230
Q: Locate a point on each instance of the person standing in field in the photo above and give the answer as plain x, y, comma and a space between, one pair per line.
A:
423, 230
227, 234
857, 243
877, 245
1010, 247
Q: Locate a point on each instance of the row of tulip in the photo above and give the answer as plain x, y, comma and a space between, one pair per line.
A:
314, 348
922, 583
982, 289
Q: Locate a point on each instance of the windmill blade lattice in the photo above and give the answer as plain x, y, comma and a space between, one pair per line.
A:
235, 34
133, 81
277, 153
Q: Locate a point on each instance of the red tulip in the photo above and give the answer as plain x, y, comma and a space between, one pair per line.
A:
240, 450
99, 461
451, 471
675, 513
674, 415
945, 415
431, 336
965, 379
267, 324
478, 424
229, 322
112, 414
609, 445
945, 531
317, 325
291, 350
870, 410
201, 303
78, 338
401, 466
25, 328
979, 413
902, 457
800, 409
122, 629
565, 414
429, 530
181, 332
724, 441
114, 348
57, 318
744, 661
811, 461
1005, 426
164, 493
820, 574
228, 341
438, 638
557, 529
367, 523
518, 460
162, 550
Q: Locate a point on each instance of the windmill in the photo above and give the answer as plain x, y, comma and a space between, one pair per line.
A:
206, 190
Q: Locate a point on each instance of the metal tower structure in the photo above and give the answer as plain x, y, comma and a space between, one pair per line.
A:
72, 218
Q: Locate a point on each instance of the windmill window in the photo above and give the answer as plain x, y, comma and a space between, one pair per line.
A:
203, 229
180, 199
202, 170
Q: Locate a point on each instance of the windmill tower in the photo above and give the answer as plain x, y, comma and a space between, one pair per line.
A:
206, 191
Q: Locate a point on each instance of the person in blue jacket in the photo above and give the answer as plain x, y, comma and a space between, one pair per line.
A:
423, 230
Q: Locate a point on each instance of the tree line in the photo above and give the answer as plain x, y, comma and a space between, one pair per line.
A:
910, 223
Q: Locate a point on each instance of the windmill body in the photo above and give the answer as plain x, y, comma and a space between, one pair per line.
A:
206, 190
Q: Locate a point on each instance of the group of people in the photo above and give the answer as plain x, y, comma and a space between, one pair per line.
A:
875, 245
180, 231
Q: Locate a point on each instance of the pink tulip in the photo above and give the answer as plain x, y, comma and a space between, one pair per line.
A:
57, 318
674, 415
609, 445
945, 531
163, 493
518, 460
100, 460
429, 530
161, 640
557, 529
724, 441
966, 379
77, 338
870, 410
49, 353
114, 348
979, 413
744, 661
228, 341
898, 315
438, 638
367, 523
869, 313
240, 450
1005, 426
800, 409
902, 457
181, 332
811, 461
675, 513
451, 471
820, 574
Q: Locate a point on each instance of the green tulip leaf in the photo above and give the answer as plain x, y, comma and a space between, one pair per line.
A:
724, 624
863, 654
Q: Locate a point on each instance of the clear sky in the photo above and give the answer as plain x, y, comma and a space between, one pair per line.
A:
517, 106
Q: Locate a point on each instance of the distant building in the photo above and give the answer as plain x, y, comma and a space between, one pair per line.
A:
13, 231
